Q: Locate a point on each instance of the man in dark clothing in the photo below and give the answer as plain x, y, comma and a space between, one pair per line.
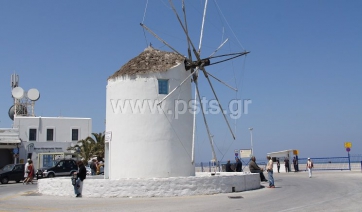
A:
295, 164
254, 168
93, 167
81, 175
228, 167
238, 165
286, 163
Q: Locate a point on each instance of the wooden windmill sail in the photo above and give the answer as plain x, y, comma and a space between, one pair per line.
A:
199, 64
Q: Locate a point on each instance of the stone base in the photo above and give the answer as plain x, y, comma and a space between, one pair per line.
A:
201, 184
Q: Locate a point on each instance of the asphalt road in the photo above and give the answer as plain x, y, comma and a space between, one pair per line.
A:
326, 191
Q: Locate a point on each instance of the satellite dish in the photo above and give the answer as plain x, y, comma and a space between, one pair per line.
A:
18, 92
20, 110
33, 94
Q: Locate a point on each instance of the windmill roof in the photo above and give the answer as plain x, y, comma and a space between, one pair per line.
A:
149, 61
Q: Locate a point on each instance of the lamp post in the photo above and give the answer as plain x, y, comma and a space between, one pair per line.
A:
251, 140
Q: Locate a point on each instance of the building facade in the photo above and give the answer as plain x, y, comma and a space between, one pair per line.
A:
49, 135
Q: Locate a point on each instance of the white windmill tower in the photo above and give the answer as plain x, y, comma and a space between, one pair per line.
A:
195, 67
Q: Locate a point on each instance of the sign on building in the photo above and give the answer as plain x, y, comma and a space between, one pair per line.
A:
245, 153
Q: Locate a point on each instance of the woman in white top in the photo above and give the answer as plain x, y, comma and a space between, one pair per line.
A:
309, 167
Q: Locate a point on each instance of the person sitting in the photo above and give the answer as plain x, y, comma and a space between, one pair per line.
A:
254, 168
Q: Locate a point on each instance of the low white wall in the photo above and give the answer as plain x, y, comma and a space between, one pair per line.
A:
202, 183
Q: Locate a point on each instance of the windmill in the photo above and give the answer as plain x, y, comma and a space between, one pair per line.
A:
197, 65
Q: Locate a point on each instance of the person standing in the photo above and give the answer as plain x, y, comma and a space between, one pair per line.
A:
238, 165
269, 169
254, 168
295, 164
93, 167
228, 167
278, 165
309, 167
81, 175
286, 164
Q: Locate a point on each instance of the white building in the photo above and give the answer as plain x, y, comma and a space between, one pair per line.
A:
9, 145
33, 135
149, 142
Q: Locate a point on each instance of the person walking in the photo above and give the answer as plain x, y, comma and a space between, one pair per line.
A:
309, 167
30, 173
26, 171
81, 175
278, 165
269, 169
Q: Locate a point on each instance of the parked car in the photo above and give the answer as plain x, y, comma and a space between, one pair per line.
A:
64, 167
12, 172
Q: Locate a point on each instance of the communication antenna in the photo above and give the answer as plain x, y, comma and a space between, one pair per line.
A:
14, 81
18, 93
22, 100
33, 95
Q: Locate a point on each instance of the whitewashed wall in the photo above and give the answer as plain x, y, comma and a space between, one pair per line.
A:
201, 184
62, 134
149, 145
62, 127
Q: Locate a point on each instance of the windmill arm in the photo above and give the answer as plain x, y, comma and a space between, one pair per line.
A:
207, 126
183, 27
235, 55
221, 45
221, 81
217, 99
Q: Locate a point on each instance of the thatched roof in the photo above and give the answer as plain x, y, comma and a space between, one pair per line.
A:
149, 61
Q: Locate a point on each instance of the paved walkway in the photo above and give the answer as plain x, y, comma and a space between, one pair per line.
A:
325, 191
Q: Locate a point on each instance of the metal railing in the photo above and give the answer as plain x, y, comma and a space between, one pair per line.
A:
353, 162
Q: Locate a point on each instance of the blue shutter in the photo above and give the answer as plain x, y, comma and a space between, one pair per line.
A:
162, 86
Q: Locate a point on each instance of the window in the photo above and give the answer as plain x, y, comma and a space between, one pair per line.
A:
50, 134
162, 86
19, 168
60, 164
75, 135
32, 134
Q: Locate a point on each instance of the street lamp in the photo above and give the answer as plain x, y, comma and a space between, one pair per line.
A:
251, 140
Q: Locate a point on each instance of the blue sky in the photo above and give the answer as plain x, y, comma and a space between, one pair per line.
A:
303, 74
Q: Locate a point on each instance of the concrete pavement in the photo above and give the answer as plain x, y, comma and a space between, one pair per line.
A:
325, 191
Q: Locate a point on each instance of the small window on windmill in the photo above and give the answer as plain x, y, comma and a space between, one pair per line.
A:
162, 86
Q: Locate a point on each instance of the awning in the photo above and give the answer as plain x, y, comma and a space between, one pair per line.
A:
10, 141
9, 136
283, 153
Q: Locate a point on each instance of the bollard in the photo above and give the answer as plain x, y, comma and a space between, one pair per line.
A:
361, 166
